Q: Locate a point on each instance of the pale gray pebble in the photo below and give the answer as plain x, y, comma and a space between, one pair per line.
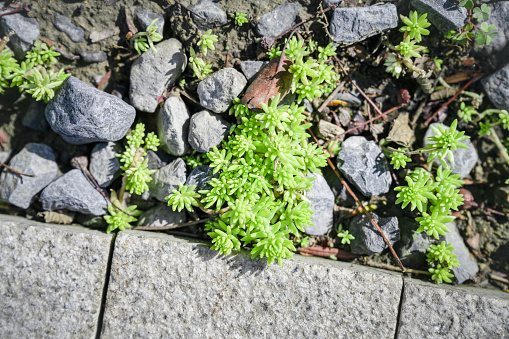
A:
173, 126
207, 14
413, 246
82, 114
251, 68
328, 3
367, 238
104, 163
166, 179
365, 166
34, 117
497, 87
64, 24
322, 205
93, 56
207, 130
26, 31
36, 159
154, 72
218, 90
446, 15
351, 24
468, 264
74, 192
161, 215
144, 17
351, 99
277, 21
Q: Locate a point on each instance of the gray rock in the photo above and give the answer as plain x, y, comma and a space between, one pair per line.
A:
413, 246
446, 15
34, 117
327, 130
218, 90
365, 166
497, 88
144, 17
64, 24
343, 198
161, 215
468, 265
74, 192
277, 21
166, 179
82, 114
36, 159
322, 205
328, 3
308, 105
104, 164
93, 56
152, 73
207, 130
26, 31
173, 126
351, 24
207, 14
52, 279
200, 176
351, 99
154, 162
464, 159
443, 311
251, 68
367, 238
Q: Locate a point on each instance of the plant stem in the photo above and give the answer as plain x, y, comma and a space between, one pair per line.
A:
17, 172
501, 147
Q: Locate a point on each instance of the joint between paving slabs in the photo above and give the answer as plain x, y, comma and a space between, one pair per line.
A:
400, 306
105, 287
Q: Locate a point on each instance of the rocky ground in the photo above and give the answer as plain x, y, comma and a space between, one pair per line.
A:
109, 76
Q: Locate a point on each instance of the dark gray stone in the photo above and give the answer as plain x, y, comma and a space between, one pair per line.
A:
464, 159
468, 264
308, 105
64, 24
251, 68
322, 205
104, 164
367, 238
218, 90
82, 114
328, 3
497, 88
154, 162
343, 198
173, 126
34, 117
206, 14
74, 192
36, 159
277, 21
200, 176
93, 56
207, 130
413, 246
446, 15
365, 166
351, 24
26, 31
167, 178
351, 99
152, 73
161, 215
144, 17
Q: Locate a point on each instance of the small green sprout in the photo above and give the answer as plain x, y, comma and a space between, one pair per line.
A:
274, 52
143, 40
41, 54
183, 197
206, 41
409, 48
200, 67
118, 219
345, 237
399, 159
41, 85
393, 64
444, 142
240, 19
465, 112
415, 25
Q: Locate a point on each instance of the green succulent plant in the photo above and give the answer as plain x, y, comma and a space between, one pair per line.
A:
415, 25
200, 67
142, 41
41, 54
207, 41
408, 48
399, 158
41, 85
239, 18
444, 142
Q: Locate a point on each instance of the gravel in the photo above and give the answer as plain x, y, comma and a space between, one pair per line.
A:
144, 17
497, 87
367, 238
173, 126
468, 264
93, 56
166, 179
277, 21
64, 24
104, 164
207, 130
26, 31
207, 14
218, 90
161, 215
322, 205
251, 68
446, 15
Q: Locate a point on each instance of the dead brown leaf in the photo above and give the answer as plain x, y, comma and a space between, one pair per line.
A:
401, 133
327, 252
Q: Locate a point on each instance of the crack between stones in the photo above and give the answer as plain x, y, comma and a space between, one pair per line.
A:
105, 288
399, 308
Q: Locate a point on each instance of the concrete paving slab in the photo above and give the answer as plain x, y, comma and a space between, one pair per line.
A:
51, 279
443, 311
165, 287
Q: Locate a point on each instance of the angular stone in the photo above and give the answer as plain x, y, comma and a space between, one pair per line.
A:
413, 246
52, 279
328, 3
36, 159
74, 192
200, 176
167, 178
351, 99
82, 114
277, 21
93, 56
218, 90
343, 198
327, 130
173, 126
468, 265
443, 311
367, 238
34, 117
207, 14
207, 130
26, 31
170, 278
464, 159
104, 164
351, 24
497, 88
161, 215
144, 17
365, 166
322, 205
251, 68
154, 162
64, 24
446, 15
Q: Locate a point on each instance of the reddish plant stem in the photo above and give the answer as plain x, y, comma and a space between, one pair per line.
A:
103, 80
12, 12
17, 172
452, 98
